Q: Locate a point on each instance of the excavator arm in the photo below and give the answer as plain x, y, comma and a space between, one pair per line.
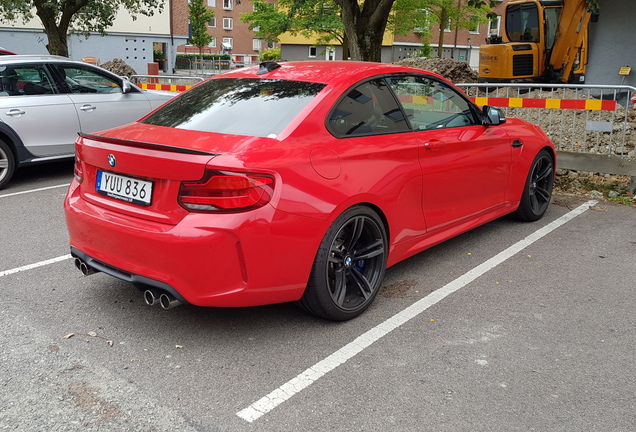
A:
569, 51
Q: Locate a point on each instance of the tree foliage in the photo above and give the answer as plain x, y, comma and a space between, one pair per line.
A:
358, 24
455, 14
61, 17
592, 5
310, 18
200, 15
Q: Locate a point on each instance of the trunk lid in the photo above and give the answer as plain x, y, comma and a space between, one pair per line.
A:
149, 159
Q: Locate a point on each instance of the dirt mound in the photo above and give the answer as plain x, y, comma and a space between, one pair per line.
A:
453, 70
119, 67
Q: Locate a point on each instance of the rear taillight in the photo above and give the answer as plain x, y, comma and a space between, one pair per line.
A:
77, 170
223, 191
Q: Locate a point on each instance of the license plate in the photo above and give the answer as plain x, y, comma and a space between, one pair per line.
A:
124, 188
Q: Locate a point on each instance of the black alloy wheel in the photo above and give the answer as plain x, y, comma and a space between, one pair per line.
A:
349, 267
537, 193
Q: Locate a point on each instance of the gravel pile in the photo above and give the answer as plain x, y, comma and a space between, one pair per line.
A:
453, 70
119, 67
594, 185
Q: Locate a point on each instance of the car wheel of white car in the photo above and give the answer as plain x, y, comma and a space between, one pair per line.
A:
7, 164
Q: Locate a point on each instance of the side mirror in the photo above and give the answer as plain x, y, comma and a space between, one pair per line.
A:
493, 116
125, 86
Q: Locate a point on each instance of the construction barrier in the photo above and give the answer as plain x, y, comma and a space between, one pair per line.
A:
174, 83
592, 126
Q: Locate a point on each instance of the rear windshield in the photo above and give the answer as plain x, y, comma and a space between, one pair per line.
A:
253, 107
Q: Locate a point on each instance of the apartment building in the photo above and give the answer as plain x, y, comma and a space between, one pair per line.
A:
230, 34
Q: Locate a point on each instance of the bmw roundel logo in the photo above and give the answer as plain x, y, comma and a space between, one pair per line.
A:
112, 161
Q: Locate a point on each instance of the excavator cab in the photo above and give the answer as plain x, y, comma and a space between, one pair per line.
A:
542, 41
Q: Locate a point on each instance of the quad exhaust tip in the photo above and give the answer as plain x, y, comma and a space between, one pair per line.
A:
84, 268
167, 301
152, 296
164, 299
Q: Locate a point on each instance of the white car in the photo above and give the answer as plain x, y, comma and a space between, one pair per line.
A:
45, 101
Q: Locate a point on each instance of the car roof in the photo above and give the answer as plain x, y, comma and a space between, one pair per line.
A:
324, 71
28, 58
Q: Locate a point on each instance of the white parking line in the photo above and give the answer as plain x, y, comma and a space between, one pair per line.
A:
34, 190
311, 375
35, 265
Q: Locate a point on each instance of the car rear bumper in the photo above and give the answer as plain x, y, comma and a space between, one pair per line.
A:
244, 259
124, 275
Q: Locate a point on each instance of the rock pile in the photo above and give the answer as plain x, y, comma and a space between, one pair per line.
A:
119, 67
453, 70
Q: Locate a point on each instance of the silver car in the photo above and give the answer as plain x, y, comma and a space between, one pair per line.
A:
46, 100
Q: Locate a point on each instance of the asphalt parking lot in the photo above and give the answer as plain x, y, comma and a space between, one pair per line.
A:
511, 327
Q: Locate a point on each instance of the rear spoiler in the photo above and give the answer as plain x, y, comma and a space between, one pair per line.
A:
145, 145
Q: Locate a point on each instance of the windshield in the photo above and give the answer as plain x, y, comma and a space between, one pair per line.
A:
239, 106
522, 23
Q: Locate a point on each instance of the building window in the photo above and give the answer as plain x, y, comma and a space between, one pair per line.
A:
212, 22
257, 44
212, 3
227, 4
228, 43
227, 23
448, 25
312, 52
474, 25
495, 25
212, 42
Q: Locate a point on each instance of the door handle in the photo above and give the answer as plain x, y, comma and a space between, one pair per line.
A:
88, 108
434, 145
15, 112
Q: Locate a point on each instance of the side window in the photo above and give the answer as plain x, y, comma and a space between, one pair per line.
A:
431, 104
25, 80
368, 109
85, 80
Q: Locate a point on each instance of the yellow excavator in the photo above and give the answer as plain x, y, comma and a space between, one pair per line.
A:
541, 41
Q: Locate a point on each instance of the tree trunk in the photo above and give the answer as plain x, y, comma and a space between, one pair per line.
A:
364, 26
442, 25
345, 47
58, 43
57, 32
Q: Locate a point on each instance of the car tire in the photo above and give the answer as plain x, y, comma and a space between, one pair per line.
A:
349, 266
7, 164
537, 192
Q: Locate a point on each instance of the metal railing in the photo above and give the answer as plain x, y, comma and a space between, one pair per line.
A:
202, 67
165, 82
593, 127
580, 118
